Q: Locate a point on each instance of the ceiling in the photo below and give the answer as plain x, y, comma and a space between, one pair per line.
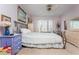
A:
41, 9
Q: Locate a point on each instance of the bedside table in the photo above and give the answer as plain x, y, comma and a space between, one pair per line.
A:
13, 41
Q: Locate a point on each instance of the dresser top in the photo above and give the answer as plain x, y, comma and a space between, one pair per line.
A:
10, 35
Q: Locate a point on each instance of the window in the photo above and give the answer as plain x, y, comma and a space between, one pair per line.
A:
45, 26
74, 24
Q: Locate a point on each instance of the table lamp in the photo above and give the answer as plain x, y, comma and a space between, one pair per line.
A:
6, 25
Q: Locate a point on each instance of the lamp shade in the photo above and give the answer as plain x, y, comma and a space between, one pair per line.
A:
5, 23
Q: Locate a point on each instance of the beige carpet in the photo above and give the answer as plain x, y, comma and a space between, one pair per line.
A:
70, 50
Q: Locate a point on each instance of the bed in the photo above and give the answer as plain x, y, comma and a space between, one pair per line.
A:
41, 40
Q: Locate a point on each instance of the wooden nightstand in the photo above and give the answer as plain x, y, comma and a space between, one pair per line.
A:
13, 41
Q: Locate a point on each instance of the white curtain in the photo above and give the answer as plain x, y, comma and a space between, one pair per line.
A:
45, 25
50, 26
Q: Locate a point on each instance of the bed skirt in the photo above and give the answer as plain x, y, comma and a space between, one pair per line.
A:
47, 45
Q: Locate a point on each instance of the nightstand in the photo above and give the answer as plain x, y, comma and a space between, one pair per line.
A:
13, 41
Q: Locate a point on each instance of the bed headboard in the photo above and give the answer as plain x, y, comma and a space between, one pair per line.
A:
19, 25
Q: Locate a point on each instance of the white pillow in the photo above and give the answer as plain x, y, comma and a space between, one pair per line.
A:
25, 31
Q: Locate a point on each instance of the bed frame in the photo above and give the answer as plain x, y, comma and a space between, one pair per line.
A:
64, 39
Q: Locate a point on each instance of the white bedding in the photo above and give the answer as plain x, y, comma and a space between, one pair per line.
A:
42, 40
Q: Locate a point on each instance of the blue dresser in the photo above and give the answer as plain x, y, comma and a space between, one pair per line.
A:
13, 41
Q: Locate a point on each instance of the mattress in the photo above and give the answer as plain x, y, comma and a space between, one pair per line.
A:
46, 45
35, 39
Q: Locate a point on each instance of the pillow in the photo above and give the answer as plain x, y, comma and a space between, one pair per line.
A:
24, 30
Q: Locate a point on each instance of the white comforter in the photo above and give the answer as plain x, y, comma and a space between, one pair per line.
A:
38, 38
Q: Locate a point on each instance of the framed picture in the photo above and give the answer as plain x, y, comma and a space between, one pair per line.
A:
19, 25
5, 18
29, 20
21, 14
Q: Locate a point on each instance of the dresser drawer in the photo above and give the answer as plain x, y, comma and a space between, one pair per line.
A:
9, 42
16, 41
17, 38
14, 51
0, 43
6, 42
16, 44
16, 48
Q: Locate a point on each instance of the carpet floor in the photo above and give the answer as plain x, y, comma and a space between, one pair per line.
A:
70, 50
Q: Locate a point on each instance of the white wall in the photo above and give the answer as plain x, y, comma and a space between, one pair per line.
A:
11, 11
71, 14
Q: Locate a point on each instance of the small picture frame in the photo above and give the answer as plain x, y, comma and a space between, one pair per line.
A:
29, 20
5, 18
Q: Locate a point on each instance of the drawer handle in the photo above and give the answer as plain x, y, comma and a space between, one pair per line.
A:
18, 47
